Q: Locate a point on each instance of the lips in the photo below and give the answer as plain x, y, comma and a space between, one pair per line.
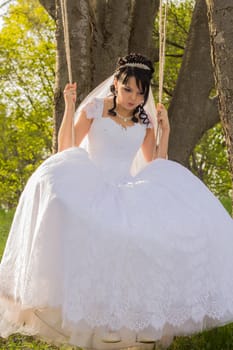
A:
131, 105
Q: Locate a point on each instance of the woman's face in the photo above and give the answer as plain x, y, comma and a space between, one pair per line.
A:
129, 96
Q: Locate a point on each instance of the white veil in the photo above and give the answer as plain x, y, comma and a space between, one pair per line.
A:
102, 91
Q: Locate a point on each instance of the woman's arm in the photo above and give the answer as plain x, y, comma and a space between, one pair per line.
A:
162, 150
148, 145
149, 149
82, 126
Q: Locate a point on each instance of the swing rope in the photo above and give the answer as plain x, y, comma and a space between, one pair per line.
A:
66, 37
68, 55
162, 44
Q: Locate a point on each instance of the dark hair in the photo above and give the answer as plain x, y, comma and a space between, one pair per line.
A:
143, 77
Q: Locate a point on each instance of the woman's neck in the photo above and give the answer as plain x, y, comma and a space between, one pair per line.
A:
122, 111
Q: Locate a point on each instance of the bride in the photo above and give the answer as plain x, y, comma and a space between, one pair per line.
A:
111, 242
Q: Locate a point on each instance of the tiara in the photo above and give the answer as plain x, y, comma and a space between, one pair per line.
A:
136, 65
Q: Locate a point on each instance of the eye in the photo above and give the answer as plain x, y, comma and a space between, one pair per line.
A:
127, 89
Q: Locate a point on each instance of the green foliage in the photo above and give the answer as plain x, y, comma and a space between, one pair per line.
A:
27, 51
210, 163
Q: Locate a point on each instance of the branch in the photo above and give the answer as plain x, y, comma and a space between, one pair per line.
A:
174, 55
172, 43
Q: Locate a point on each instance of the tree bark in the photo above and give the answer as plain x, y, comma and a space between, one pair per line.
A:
112, 28
141, 39
220, 14
121, 27
191, 111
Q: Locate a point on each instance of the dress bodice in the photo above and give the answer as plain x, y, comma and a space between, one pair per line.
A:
111, 146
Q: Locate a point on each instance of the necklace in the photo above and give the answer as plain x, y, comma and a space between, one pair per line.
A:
125, 119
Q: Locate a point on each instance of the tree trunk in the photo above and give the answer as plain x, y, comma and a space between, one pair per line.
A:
191, 111
220, 14
120, 28
112, 37
142, 28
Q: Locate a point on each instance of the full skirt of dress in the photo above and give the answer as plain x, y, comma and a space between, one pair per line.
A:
150, 254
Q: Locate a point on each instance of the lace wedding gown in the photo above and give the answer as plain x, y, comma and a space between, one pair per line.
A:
93, 249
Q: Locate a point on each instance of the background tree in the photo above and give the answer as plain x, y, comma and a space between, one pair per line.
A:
221, 38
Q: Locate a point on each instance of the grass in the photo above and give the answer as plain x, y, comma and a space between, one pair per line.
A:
17, 341
227, 203
216, 339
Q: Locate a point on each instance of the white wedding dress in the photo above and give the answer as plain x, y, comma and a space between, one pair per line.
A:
93, 249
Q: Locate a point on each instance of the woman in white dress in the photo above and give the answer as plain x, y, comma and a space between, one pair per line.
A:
104, 249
